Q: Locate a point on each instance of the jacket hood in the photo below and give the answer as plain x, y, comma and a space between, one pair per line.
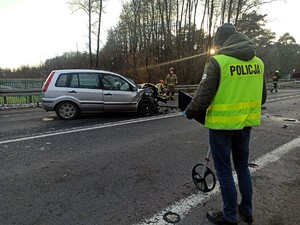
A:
238, 46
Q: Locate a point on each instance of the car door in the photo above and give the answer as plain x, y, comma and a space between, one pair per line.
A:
118, 94
85, 89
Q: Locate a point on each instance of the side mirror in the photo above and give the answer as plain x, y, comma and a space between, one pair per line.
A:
134, 88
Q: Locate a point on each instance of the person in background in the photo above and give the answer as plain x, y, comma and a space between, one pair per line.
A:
160, 87
275, 79
230, 96
171, 82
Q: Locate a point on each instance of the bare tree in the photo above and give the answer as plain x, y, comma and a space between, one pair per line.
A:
86, 6
89, 10
99, 11
238, 11
223, 11
229, 11
153, 35
160, 33
94, 10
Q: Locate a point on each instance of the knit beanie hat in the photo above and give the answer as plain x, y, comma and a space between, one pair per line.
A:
224, 32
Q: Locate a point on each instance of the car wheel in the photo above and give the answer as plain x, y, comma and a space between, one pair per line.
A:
67, 110
147, 107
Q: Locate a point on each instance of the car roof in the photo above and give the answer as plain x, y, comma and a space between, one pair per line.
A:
84, 70
92, 71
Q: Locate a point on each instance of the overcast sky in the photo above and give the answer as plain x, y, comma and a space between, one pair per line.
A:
35, 30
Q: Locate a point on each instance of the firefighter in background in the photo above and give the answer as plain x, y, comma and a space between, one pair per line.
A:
171, 82
160, 87
275, 80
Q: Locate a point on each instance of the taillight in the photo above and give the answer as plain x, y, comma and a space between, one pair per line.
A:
47, 82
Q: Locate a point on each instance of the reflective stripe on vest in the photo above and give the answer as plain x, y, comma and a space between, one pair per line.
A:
237, 103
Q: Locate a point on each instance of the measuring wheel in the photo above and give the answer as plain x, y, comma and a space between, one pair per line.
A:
203, 177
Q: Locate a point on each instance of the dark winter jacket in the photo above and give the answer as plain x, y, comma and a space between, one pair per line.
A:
237, 45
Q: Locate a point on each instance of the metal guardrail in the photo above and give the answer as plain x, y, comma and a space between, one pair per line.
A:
20, 92
283, 84
6, 93
186, 88
29, 93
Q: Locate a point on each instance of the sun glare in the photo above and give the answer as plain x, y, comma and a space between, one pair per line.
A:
212, 51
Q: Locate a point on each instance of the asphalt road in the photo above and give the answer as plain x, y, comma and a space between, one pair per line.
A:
125, 170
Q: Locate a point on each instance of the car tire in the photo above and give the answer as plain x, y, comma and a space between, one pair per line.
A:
147, 107
67, 110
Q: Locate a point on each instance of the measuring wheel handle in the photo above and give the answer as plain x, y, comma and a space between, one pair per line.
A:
203, 177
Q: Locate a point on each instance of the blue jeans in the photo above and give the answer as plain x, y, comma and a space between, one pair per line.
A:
222, 144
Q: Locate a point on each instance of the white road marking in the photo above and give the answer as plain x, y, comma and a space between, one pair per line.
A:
184, 206
282, 98
101, 126
46, 119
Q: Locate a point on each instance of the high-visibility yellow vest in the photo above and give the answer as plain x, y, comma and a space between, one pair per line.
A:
160, 87
237, 103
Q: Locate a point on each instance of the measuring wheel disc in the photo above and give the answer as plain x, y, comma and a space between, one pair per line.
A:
206, 182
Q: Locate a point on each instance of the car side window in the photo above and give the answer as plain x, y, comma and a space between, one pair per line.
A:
112, 82
74, 81
85, 80
62, 81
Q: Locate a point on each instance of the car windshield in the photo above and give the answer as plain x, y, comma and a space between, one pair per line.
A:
132, 81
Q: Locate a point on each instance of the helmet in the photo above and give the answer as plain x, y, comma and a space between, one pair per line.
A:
171, 69
277, 71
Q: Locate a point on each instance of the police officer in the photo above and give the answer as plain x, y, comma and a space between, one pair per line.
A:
171, 82
230, 96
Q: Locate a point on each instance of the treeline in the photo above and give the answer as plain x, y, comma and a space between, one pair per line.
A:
152, 36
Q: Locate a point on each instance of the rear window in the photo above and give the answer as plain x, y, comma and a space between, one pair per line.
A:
62, 80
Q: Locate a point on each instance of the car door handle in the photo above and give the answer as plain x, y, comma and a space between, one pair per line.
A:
108, 94
72, 91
